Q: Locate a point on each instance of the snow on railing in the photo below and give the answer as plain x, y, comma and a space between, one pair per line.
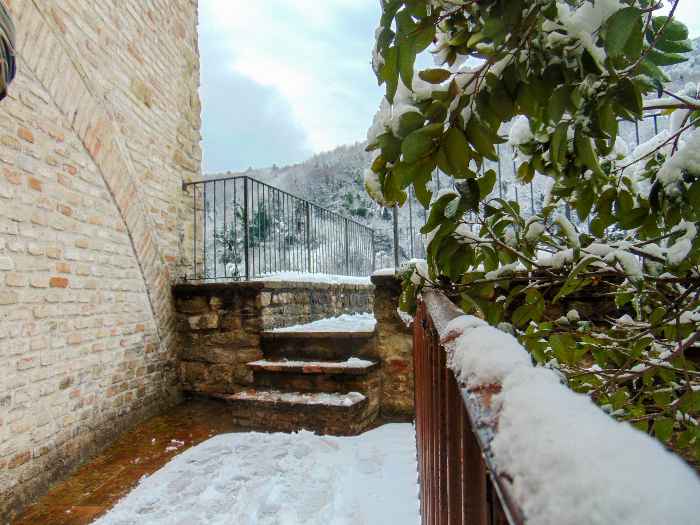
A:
503, 441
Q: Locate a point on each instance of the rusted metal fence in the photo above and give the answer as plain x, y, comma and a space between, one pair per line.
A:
458, 481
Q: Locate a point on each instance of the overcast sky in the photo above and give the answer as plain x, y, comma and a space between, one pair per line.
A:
283, 79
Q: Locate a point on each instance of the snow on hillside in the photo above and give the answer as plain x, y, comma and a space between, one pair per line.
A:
688, 71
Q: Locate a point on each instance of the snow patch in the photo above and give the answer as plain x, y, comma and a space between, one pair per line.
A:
285, 479
304, 277
343, 323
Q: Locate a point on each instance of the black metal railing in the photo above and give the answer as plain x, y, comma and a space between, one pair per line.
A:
245, 229
409, 243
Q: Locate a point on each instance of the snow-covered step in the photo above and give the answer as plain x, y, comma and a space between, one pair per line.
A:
299, 398
351, 366
280, 411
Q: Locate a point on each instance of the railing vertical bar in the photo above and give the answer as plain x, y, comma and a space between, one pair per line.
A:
204, 233
225, 231
194, 233
246, 236
452, 409
475, 478
216, 269
395, 212
442, 435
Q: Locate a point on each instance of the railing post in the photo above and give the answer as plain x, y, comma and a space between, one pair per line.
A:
347, 250
374, 254
246, 239
396, 237
308, 237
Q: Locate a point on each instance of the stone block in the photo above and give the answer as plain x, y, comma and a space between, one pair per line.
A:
208, 321
192, 305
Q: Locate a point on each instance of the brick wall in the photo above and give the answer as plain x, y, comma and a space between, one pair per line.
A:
100, 129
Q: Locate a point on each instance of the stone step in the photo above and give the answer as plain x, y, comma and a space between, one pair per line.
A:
318, 346
277, 411
351, 366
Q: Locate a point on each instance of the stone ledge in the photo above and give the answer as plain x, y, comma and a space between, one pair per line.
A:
318, 335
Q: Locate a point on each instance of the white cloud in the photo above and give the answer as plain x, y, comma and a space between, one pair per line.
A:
305, 51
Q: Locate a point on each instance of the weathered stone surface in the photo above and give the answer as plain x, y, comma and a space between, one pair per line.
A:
395, 349
290, 417
209, 321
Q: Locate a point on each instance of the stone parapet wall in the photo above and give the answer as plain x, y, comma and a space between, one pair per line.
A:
99, 131
394, 349
221, 324
291, 303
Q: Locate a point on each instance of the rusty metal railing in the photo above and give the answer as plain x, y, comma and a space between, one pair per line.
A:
458, 481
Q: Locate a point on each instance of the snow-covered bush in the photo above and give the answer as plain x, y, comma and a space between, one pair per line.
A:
561, 75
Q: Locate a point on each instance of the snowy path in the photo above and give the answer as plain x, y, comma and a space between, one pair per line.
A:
282, 479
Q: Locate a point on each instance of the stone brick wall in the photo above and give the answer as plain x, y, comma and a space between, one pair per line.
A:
289, 303
395, 349
221, 324
100, 129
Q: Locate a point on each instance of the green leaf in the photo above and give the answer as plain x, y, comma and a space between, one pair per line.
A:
407, 58
585, 151
630, 98
597, 227
559, 143
584, 201
674, 30
456, 150
406, 44
622, 298
409, 122
523, 314
416, 145
663, 429
390, 73
653, 71
670, 46
661, 58
486, 184
435, 76
437, 213
573, 283
563, 346
557, 103
694, 194
619, 29
481, 139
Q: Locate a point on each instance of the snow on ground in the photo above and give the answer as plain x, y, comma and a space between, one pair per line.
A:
282, 479
303, 277
343, 323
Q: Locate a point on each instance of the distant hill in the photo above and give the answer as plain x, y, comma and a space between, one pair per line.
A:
688, 71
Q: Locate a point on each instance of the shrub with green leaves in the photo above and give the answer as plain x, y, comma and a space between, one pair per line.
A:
554, 79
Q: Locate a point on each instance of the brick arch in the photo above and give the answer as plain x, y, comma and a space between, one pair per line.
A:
77, 97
